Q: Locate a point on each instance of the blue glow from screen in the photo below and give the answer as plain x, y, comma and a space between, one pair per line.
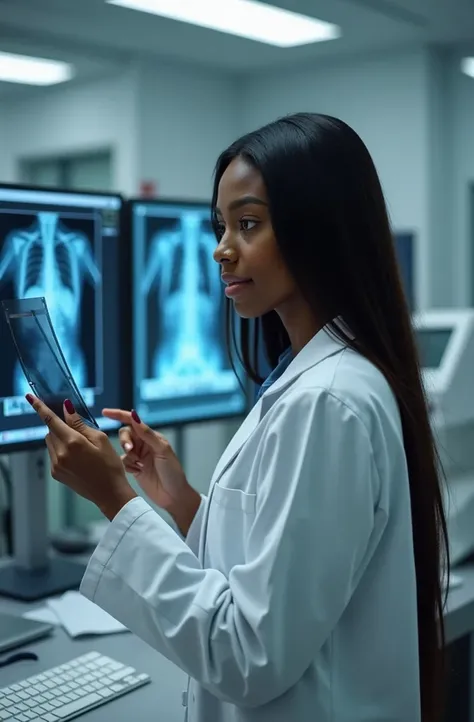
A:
182, 371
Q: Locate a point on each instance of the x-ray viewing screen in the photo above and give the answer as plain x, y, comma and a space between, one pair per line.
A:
432, 344
62, 246
182, 371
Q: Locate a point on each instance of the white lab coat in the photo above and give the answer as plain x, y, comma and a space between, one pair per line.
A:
293, 598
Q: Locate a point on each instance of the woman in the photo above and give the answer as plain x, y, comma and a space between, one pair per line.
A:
308, 588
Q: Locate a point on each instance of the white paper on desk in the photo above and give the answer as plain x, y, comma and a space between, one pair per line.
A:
42, 614
80, 616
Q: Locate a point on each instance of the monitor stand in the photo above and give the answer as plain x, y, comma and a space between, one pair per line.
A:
33, 573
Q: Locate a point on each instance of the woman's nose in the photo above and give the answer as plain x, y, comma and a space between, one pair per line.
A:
225, 255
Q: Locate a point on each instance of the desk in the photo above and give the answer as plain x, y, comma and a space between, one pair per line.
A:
159, 701
459, 616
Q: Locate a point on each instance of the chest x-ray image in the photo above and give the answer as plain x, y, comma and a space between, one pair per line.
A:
182, 369
181, 267
52, 255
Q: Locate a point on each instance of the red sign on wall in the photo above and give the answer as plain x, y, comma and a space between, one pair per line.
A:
148, 189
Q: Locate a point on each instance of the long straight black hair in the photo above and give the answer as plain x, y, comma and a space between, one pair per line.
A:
331, 224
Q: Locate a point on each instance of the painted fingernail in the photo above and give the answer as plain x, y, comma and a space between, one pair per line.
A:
69, 406
136, 417
128, 446
30, 399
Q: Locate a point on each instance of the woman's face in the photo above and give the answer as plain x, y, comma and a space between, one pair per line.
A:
248, 252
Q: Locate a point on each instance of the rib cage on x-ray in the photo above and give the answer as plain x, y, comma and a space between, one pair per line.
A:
188, 298
49, 260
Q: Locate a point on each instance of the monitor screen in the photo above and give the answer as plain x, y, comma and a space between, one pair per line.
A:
65, 247
405, 250
432, 343
181, 368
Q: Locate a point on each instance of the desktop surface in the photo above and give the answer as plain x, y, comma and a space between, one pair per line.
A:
160, 700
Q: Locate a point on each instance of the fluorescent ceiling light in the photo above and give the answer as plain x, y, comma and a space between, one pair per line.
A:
246, 18
467, 66
33, 71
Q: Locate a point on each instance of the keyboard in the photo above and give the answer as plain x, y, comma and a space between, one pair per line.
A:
65, 692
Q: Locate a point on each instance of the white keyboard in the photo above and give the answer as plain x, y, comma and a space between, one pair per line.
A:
65, 692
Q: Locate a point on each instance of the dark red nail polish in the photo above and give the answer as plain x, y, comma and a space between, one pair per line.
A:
69, 406
136, 417
30, 399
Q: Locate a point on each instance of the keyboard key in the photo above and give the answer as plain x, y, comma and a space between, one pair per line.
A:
120, 674
77, 706
13, 698
117, 687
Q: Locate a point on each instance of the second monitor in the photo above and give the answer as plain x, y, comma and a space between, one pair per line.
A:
182, 372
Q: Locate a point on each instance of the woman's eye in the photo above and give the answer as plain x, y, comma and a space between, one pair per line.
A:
220, 229
247, 225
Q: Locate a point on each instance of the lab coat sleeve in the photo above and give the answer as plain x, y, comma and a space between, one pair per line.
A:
193, 537
250, 637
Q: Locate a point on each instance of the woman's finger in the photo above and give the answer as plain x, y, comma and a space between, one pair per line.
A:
132, 458
51, 449
126, 438
131, 468
124, 417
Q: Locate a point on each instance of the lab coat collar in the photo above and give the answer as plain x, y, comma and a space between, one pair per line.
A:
321, 346
324, 344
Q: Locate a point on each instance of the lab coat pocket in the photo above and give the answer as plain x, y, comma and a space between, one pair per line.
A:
234, 499
231, 514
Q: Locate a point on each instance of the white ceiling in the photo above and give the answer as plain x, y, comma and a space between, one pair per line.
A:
100, 38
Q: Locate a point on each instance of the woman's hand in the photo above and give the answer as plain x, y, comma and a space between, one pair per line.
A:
84, 459
152, 461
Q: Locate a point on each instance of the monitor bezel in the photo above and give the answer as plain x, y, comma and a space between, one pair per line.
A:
189, 420
124, 306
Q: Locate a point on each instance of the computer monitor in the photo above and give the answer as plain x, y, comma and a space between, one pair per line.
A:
405, 250
64, 246
67, 247
445, 340
182, 372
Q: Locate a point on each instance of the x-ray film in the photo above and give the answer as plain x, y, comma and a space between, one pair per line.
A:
41, 357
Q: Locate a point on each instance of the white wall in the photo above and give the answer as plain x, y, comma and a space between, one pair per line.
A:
74, 119
385, 101
463, 175
187, 117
